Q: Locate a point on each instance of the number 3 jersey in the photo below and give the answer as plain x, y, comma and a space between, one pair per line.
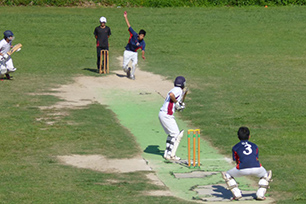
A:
245, 154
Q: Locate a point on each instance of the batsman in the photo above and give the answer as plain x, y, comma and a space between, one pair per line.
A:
6, 62
173, 102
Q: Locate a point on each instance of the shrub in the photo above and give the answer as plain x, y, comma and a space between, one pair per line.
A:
153, 3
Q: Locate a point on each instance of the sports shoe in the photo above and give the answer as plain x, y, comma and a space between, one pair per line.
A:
237, 198
12, 69
8, 76
128, 73
167, 157
260, 198
174, 158
132, 77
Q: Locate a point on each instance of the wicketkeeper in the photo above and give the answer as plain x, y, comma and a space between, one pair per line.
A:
6, 62
245, 153
167, 120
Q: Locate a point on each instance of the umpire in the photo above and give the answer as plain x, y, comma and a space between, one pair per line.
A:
102, 34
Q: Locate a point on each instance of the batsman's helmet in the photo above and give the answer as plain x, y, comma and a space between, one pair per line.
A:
8, 34
102, 19
180, 81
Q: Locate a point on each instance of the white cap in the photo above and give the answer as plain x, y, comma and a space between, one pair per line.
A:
102, 19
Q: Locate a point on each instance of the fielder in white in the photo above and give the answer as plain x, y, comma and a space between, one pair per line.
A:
245, 153
167, 120
6, 62
136, 41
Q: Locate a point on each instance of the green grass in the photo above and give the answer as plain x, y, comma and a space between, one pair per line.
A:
244, 66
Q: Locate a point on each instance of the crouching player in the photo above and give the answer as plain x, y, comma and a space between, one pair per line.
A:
245, 154
167, 120
6, 62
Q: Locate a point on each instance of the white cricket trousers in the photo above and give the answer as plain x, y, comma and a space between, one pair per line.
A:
6, 66
169, 124
127, 57
258, 172
9, 63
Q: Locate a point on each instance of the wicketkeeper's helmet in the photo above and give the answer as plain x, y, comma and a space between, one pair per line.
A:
180, 81
8, 34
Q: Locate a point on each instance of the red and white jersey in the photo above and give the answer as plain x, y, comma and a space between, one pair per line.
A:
169, 105
4, 46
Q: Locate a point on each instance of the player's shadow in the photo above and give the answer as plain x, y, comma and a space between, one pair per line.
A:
121, 75
249, 195
154, 149
91, 70
222, 192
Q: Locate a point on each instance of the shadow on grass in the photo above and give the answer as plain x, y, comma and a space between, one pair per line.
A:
154, 149
91, 70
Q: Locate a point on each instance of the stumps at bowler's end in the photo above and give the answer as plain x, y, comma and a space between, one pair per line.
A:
196, 140
104, 62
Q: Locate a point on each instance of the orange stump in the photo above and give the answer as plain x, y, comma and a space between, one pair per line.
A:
196, 139
104, 57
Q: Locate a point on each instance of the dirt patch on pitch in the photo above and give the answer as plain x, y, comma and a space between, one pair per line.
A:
87, 90
101, 163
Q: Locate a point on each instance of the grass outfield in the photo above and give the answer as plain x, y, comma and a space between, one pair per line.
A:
244, 66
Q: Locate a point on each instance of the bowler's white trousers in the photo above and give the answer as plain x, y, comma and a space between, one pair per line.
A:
127, 57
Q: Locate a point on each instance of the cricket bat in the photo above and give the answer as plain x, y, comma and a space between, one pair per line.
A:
14, 49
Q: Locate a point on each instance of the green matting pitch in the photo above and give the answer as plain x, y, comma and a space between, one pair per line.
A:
138, 112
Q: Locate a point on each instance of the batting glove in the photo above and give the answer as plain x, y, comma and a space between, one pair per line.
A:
5, 56
179, 106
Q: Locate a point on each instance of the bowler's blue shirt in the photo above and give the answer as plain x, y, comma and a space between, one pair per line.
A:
134, 44
245, 154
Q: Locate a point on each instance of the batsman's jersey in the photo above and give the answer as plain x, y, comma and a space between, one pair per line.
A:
134, 44
169, 105
245, 154
4, 46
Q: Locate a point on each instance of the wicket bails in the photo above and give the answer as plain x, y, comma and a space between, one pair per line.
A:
104, 57
196, 136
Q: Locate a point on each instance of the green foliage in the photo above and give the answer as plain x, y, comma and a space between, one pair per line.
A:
152, 3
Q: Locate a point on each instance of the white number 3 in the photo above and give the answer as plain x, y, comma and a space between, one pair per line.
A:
248, 149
